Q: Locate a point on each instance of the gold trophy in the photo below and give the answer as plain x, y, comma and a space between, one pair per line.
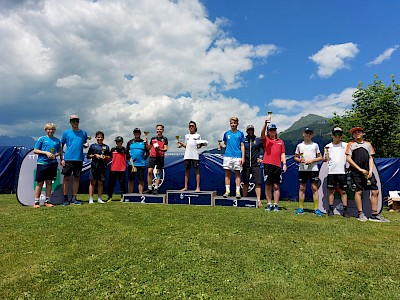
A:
326, 153
219, 144
103, 151
366, 177
146, 133
177, 140
89, 137
301, 154
269, 115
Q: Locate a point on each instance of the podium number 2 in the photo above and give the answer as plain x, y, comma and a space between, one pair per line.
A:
143, 199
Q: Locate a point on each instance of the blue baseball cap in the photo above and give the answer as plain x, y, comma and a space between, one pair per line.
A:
271, 127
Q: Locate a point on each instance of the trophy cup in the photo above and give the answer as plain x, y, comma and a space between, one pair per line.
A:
327, 153
103, 151
269, 115
177, 140
219, 144
366, 177
146, 133
89, 137
301, 154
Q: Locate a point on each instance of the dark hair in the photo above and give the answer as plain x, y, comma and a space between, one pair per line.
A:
160, 125
195, 125
99, 133
276, 136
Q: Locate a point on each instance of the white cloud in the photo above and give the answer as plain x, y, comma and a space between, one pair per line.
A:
64, 57
261, 76
323, 105
332, 58
386, 55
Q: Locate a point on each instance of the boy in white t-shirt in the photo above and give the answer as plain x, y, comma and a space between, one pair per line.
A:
307, 154
191, 157
335, 155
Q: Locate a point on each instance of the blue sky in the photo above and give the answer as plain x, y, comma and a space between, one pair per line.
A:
124, 64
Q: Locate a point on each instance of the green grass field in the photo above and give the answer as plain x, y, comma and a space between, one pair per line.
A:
128, 251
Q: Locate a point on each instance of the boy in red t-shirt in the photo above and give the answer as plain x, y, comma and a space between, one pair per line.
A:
159, 145
118, 168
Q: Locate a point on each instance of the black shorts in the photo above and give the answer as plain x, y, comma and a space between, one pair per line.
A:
72, 167
335, 180
46, 172
359, 182
139, 173
191, 162
254, 172
313, 176
272, 174
156, 161
97, 174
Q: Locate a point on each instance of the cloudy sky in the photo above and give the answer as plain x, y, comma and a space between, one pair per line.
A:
123, 64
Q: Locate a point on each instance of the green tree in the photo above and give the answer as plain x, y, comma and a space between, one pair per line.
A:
376, 108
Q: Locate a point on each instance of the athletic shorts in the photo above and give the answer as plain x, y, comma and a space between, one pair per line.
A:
156, 161
272, 174
232, 163
313, 176
188, 163
335, 180
139, 173
72, 167
97, 174
254, 172
359, 183
46, 172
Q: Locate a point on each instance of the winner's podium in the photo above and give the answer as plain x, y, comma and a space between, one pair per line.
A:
143, 198
231, 201
205, 198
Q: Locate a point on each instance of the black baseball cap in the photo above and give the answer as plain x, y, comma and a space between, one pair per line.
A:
249, 127
308, 129
337, 130
119, 139
137, 130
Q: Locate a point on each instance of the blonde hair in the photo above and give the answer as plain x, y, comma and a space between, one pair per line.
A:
236, 119
50, 126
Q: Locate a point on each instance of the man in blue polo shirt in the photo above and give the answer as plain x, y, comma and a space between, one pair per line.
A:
75, 139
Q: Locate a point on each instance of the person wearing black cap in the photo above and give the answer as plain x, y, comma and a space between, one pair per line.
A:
360, 157
118, 168
75, 139
274, 163
335, 155
251, 167
137, 152
308, 155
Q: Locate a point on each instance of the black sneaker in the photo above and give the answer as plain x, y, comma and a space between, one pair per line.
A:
378, 218
148, 192
330, 213
346, 214
155, 192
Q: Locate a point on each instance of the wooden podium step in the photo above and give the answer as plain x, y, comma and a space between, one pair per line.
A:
143, 198
205, 198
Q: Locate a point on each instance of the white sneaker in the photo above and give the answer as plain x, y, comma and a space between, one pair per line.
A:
91, 201
100, 201
362, 217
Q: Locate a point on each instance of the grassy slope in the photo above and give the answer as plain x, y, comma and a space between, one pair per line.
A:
119, 250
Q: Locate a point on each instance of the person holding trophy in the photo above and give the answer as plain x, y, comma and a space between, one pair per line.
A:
47, 148
193, 143
359, 155
335, 156
99, 153
307, 154
274, 162
159, 145
234, 157
137, 152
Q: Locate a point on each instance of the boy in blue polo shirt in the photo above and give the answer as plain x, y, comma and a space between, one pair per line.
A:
234, 155
47, 148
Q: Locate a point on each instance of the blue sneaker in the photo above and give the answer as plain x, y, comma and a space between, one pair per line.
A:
299, 211
318, 213
276, 207
269, 207
65, 203
76, 202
